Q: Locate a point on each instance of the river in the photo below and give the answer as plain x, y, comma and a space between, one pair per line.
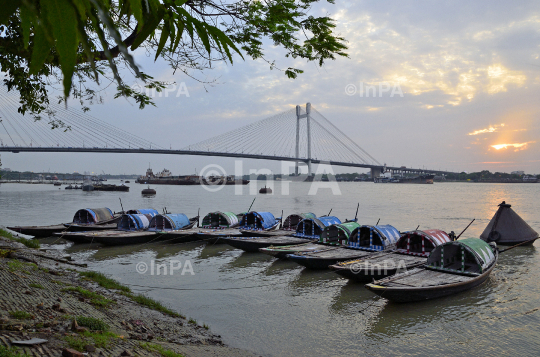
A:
277, 308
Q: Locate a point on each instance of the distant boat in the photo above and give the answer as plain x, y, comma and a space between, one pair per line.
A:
57, 184
148, 191
265, 190
127, 181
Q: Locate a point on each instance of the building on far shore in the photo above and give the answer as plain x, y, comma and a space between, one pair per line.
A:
520, 173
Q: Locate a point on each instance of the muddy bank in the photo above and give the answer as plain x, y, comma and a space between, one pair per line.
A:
43, 295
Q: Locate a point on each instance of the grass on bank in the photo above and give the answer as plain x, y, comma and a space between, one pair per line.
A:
152, 347
36, 285
95, 299
11, 352
30, 243
21, 315
108, 283
98, 339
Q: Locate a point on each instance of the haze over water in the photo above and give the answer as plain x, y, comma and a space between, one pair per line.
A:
278, 308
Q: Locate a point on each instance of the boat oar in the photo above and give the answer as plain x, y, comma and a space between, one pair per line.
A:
330, 211
198, 216
517, 245
417, 228
121, 205
356, 215
281, 225
249, 210
378, 222
464, 229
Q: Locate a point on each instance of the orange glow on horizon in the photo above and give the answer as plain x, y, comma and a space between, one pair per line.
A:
517, 146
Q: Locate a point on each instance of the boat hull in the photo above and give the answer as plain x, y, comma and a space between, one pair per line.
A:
126, 238
319, 260
275, 233
377, 266
38, 231
281, 251
253, 244
403, 294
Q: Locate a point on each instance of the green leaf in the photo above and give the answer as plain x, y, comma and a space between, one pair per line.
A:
26, 23
62, 17
148, 28
162, 39
41, 50
8, 8
136, 9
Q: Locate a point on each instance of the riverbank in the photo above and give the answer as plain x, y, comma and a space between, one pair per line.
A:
44, 295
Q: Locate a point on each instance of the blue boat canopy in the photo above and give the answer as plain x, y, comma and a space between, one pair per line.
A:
470, 256
258, 221
292, 221
313, 227
169, 222
146, 211
92, 215
373, 238
220, 220
133, 222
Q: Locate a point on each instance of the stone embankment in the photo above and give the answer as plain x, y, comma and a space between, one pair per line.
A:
44, 296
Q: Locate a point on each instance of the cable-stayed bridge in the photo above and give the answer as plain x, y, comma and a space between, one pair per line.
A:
301, 135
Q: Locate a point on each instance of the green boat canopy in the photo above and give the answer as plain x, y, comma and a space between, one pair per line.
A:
337, 233
292, 221
220, 220
470, 255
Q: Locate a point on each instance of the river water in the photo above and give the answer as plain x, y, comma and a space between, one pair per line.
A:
278, 308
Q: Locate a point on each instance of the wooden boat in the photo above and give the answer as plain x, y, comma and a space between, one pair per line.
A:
39, 231
412, 250
508, 228
137, 220
265, 189
253, 244
219, 224
174, 227
124, 237
84, 219
287, 227
451, 268
329, 236
363, 241
257, 222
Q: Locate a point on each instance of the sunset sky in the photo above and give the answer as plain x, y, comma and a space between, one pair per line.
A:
469, 74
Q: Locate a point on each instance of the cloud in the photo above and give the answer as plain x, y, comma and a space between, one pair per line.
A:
518, 146
491, 129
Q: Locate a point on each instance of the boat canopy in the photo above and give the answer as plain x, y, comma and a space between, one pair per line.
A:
508, 227
470, 256
92, 215
313, 227
258, 220
373, 238
220, 220
292, 221
169, 222
337, 233
421, 242
134, 222
146, 211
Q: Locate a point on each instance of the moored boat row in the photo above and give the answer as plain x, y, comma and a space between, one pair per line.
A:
399, 266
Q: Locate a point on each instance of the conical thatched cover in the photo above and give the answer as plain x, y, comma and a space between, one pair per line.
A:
507, 227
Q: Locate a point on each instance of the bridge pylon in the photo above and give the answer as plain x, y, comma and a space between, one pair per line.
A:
308, 127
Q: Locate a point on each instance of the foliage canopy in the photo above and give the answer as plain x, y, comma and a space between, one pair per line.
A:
79, 42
